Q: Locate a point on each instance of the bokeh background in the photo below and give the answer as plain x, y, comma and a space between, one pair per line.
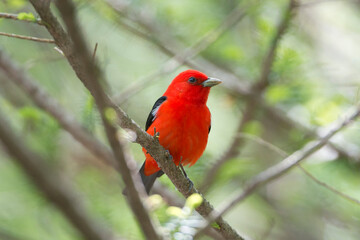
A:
314, 80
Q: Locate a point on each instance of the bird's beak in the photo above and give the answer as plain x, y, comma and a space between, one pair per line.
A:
210, 82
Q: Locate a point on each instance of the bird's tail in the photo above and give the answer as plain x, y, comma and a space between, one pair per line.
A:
148, 181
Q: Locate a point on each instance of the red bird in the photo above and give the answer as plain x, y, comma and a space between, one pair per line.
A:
182, 120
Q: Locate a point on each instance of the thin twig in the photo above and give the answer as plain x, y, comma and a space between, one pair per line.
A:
94, 52
144, 139
280, 168
282, 153
92, 74
280, 117
327, 186
264, 143
54, 188
314, 3
16, 17
42, 40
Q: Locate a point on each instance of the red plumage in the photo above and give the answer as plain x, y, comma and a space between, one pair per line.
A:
182, 120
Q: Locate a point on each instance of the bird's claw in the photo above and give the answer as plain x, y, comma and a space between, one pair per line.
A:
168, 154
156, 134
191, 185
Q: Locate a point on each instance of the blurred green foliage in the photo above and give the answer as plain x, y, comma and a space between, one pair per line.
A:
314, 80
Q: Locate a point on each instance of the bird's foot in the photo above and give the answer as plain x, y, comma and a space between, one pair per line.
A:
168, 154
182, 169
191, 184
156, 134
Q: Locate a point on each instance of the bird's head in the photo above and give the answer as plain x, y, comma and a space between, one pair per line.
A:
192, 86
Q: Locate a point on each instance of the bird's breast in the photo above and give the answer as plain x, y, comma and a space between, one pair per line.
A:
183, 130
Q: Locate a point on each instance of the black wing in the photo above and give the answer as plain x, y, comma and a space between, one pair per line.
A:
210, 123
152, 114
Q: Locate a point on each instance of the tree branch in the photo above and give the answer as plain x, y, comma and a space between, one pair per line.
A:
92, 79
282, 153
280, 168
54, 188
12, 35
144, 139
18, 18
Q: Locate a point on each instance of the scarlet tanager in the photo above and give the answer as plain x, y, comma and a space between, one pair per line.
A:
182, 120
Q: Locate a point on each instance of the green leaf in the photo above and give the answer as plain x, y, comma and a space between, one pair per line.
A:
17, 4
110, 115
232, 52
26, 17
88, 114
194, 201
30, 114
175, 212
277, 93
253, 128
155, 201
215, 225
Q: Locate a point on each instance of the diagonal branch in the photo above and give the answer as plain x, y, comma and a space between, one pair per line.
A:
55, 189
282, 153
92, 74
281, 168
144, 139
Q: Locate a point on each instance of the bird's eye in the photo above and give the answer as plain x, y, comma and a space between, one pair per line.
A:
192, 80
